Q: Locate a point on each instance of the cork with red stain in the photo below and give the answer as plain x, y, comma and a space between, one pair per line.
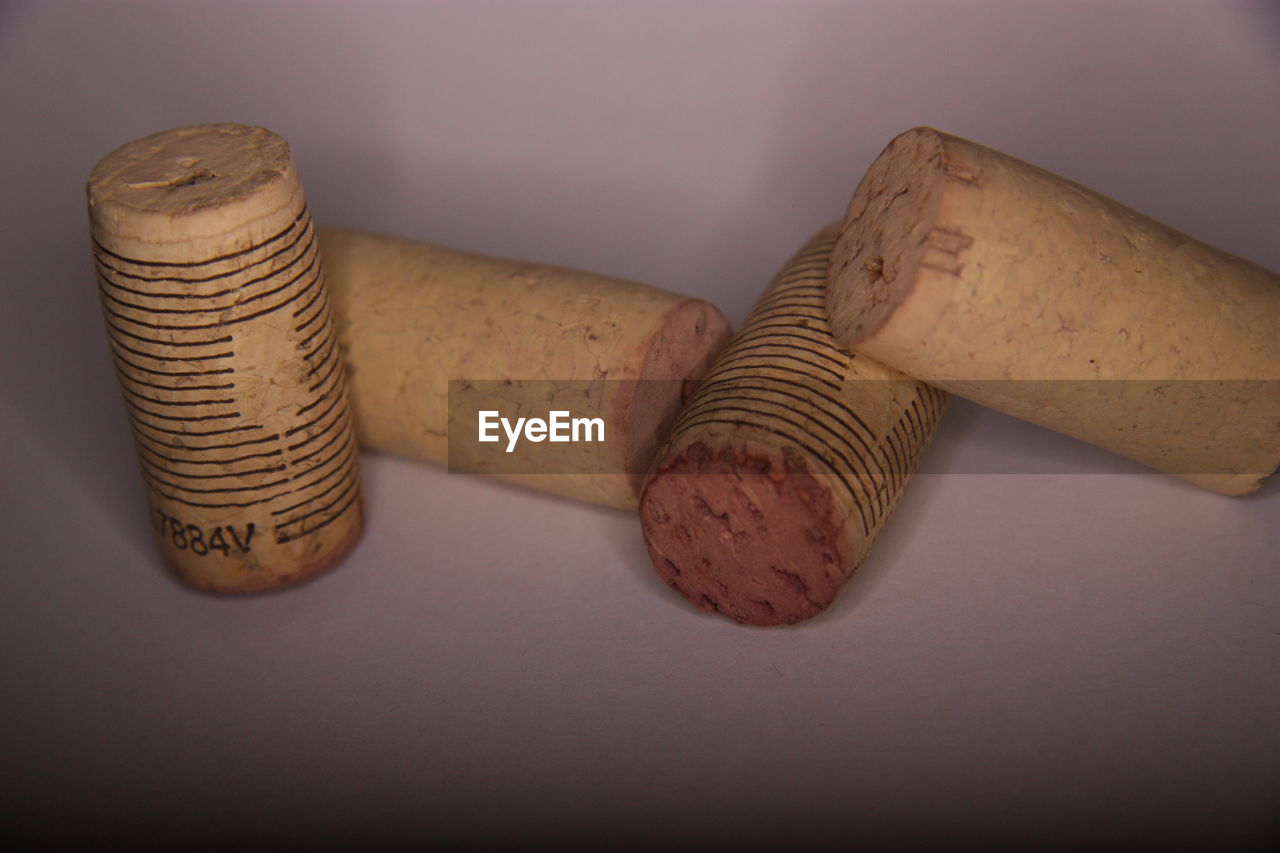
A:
427, 331
1038, 297
787, 461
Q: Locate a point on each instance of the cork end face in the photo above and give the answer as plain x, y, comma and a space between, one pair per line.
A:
885, 234
189, 169
677, 355
742, 534
189, 183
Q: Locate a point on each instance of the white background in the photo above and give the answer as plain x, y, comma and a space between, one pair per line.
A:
1086, 655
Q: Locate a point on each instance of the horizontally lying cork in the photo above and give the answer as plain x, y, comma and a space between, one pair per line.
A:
216, 310
787, 463
420, 321
1028, 293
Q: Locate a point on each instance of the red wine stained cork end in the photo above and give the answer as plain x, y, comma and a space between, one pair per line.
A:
744, 533
678, 353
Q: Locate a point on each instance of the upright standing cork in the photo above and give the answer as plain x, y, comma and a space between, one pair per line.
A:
787, 463
1028, 293
218, 317
435, 335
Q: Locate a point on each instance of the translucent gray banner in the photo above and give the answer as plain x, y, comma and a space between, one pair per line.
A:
612, 426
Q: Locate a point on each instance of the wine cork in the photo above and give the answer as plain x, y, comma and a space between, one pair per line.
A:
430, 331
1030, 294
787, 462
219, 323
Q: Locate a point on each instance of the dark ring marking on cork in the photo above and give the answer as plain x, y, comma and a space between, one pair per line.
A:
227, 257
105, 282
312, 270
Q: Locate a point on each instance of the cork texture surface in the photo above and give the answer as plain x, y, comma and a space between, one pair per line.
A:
421, 321
1041, 298
1050, 647
227, 360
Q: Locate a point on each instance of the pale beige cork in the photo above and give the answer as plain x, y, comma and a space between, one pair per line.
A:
787, 462
1031, 294
218, 318
420, 321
